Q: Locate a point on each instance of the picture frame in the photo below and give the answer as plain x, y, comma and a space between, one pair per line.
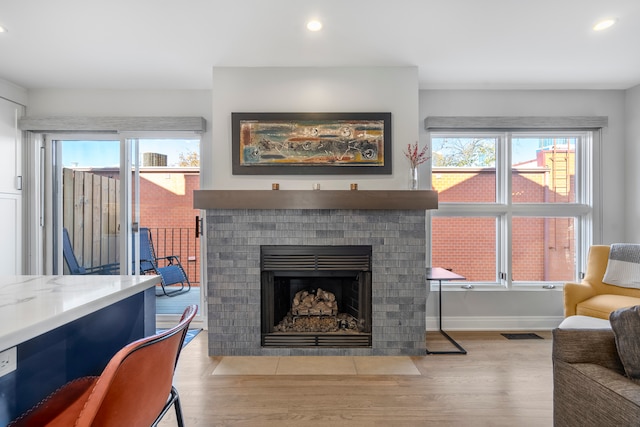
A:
311, 143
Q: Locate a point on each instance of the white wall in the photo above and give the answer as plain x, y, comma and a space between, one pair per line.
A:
331, 89
632, 170
477, 309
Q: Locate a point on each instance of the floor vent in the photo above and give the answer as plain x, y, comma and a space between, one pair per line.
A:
522, 336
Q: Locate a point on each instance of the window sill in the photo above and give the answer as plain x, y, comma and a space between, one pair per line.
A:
460, 287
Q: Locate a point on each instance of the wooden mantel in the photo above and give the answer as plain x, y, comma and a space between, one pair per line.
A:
315, 199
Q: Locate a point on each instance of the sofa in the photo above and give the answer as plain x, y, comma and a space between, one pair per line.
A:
590, 388
592, 297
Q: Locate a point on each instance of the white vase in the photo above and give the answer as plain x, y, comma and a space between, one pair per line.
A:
413, 178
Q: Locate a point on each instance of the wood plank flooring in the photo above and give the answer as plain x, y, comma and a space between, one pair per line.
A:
499, 382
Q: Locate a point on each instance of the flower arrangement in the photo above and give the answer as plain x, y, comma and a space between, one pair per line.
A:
416, 158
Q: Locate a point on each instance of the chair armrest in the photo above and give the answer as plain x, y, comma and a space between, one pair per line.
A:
170, 259
596, 346
575, 293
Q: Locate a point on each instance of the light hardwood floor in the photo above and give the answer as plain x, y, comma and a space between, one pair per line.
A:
499, 382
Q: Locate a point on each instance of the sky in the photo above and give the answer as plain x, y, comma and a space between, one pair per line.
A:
107, 153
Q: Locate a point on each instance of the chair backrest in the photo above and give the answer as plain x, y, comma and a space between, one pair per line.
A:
134, 387
69, 255
147, 251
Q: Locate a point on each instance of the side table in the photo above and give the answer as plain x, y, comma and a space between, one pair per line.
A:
440, 274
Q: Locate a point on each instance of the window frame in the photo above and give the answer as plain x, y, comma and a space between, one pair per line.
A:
586, 210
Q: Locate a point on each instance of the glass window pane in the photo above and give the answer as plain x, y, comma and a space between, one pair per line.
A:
543, 249
543, 170
173, 153
465, 245
91, 204
169, 173
464, 169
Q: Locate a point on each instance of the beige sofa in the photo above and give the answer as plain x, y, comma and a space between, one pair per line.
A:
589, 385
593, 298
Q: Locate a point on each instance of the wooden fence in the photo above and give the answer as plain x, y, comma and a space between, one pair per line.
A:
91, 214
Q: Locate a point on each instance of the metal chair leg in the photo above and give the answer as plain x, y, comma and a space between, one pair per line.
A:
177, 407
174, 399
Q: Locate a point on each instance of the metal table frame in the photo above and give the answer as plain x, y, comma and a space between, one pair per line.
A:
440, 274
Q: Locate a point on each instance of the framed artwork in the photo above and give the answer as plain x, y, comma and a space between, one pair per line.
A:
311, 143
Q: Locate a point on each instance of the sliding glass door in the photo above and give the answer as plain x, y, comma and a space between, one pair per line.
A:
105, 190
90, 226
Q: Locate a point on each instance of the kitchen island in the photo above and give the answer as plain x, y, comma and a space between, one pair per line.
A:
57, 328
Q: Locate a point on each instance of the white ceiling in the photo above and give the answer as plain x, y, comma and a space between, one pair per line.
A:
173, 44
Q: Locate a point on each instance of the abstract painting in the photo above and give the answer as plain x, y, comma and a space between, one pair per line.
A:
311, 143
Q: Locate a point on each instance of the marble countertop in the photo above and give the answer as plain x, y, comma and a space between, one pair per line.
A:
33, 305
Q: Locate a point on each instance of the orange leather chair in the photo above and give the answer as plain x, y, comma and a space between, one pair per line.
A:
135, 388
593, 298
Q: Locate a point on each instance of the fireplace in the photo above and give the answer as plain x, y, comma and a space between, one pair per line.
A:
315, 296
234, 274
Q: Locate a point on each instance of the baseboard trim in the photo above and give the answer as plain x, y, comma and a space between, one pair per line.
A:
495, 323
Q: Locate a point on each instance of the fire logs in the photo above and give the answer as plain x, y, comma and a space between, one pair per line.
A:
316, 311
320, 303
342, 322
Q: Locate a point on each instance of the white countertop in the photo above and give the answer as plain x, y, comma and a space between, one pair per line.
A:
33, 305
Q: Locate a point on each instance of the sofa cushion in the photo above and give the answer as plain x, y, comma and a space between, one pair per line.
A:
625, 323
584, 322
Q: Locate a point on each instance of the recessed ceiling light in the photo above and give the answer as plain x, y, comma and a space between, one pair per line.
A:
604, 24
2, 29
314, 25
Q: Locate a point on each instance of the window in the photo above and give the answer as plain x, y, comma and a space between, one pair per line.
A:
515, 208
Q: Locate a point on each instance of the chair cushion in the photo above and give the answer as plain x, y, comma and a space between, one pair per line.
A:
602, 305
172, 274
625, 324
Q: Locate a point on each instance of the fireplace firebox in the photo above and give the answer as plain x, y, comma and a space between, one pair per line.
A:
315, 296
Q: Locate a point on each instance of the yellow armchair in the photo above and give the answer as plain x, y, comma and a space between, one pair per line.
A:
593, 298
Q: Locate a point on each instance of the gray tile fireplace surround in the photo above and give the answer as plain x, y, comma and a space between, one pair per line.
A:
399, 293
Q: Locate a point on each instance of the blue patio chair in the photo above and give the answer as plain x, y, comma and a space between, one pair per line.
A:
171, 274
75, 267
